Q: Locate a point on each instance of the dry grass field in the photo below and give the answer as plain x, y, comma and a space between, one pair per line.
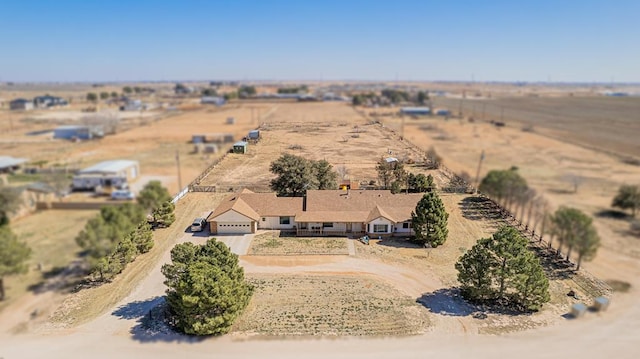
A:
599, 122
331, 305
272, 243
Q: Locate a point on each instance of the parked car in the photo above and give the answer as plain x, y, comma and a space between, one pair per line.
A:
122, 194
198, 225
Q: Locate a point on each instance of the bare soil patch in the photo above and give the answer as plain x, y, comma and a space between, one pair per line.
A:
328, 306
272, 243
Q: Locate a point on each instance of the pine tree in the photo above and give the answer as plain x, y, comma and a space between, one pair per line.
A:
206, 288
502, 269
475, 273
153, 195
430, 220
13, 256
163, 216
530, 283
142, 237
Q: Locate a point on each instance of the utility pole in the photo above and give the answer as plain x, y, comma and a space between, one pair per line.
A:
478, 172
179, 176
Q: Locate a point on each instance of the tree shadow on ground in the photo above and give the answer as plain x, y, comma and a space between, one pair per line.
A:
613, 214
152, 324
478, 208
555, 266
61, 279
449, 302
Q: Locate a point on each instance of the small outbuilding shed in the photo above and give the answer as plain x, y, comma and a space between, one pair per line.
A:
21, 104
111, 174
415, 111
78, 132
240, 147
254, 135
10, 164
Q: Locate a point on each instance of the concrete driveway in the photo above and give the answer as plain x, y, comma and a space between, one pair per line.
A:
239, 244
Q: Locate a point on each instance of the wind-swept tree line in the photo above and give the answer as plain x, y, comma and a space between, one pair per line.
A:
569, 228
118, 234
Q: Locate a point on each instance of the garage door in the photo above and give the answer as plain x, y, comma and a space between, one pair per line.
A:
234, 228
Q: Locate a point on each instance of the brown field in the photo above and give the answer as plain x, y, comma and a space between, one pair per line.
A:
600, 122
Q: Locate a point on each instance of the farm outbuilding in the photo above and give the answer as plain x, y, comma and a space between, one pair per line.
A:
48, 101
110, 174
442, 112
415, 111
254, 135
78, 132
212, 100
218, 138
21, 104
240, 147
10, 164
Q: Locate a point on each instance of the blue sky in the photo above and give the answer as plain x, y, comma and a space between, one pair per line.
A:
118, 40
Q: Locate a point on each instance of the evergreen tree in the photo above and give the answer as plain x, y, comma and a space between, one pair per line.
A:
206, 288
164, 215
13, 256
628, 197
325, 175
420, 183
142, 237
430, 220
10, 201
575, 229
502, 269
475, 273
153, 195
530, 283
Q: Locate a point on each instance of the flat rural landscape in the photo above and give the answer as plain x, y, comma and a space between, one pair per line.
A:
333, 286
283, 179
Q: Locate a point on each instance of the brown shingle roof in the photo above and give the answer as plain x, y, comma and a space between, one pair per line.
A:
383, 203
323, 205
256, 205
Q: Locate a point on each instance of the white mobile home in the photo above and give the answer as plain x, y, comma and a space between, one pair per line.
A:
110, 174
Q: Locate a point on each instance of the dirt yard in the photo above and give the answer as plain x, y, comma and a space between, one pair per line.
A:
330, 305
273, 243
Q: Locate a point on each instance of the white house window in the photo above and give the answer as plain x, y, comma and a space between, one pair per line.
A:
380, 228
285, 220
263, 219
406, 225
327, 225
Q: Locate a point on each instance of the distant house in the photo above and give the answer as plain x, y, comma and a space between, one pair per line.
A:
240, 147
109, 174
320, 213
415, 111
21, 104
48, 101
132, 105
10, 164
79, 132
218, 138
212, 100
181, 89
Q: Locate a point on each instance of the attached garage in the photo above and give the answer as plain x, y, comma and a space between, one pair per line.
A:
234, 228
239, 219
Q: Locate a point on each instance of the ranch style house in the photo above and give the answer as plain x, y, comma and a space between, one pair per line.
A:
319, 213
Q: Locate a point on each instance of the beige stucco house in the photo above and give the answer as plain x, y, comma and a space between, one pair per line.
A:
320, 213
